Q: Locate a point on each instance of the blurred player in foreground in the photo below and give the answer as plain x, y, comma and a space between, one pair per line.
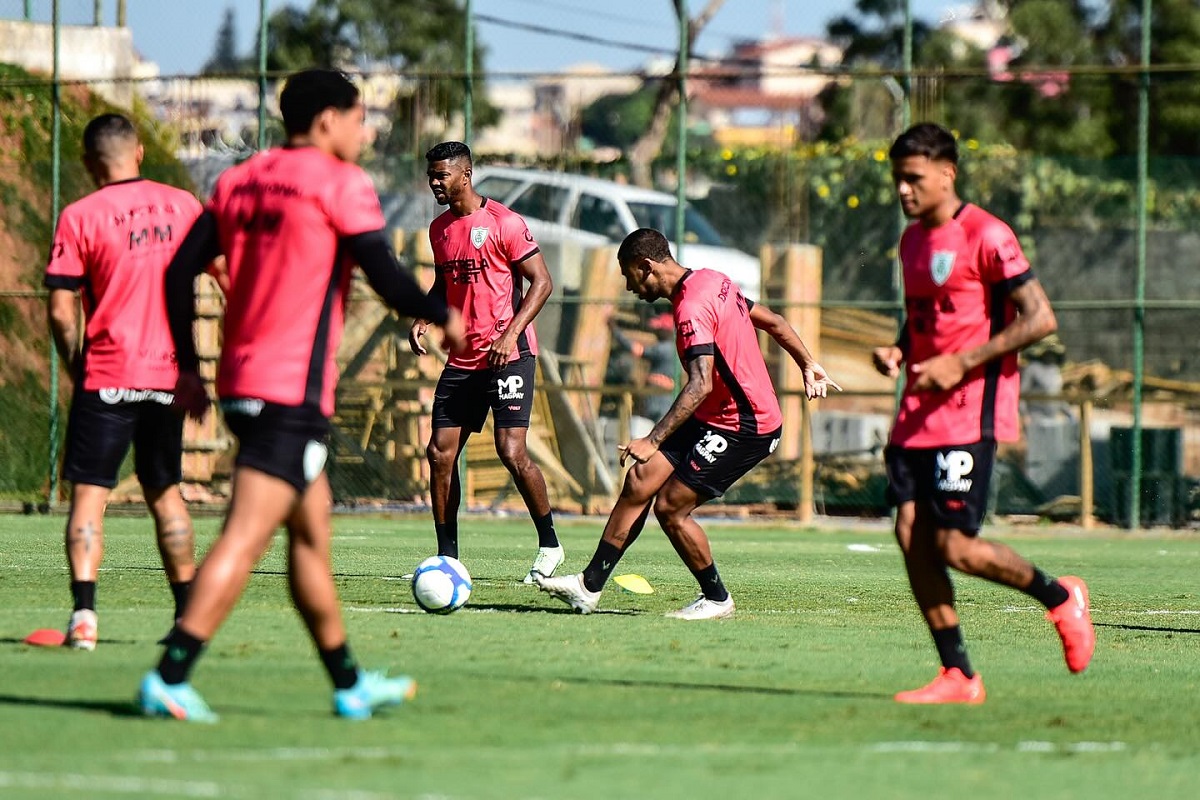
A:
291, 221
724, 421
113, 247
971, 302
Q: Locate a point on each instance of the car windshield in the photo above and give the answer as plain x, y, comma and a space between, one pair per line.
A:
662, 217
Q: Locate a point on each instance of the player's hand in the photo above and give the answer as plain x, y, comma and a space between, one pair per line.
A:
502, 349
640, 450
887, 360
455, 332
817, 381
415, 333
190, 395
938, 373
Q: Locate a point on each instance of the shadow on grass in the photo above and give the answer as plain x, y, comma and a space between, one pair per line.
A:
772, 691
125, 708
1124, 627
561, 609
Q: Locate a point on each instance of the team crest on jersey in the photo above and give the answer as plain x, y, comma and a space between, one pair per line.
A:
478, 237
941, 265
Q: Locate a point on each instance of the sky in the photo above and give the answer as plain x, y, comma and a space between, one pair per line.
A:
179, 34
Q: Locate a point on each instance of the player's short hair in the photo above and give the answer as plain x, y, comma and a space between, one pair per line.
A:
448, 151
644, 243
309, 92
108, 135
925, 139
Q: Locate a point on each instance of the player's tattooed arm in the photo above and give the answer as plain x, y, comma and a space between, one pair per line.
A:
62, 308
816, 379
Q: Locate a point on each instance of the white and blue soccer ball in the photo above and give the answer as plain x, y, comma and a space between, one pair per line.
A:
441, 584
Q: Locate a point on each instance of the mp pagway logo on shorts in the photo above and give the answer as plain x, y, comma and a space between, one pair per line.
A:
711, 446
953, 471
510, 388
478, 237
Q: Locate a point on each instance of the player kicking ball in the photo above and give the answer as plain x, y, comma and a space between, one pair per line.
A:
723, 422
971, 302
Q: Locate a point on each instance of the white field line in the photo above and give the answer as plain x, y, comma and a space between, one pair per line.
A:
60, 784
1036, 747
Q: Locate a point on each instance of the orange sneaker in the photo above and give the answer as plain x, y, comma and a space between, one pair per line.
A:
950, 686
1073, 621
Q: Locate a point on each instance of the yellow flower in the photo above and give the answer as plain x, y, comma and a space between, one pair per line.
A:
822, 191
731, 169
880, 155
852, 201
727, 154
972, 144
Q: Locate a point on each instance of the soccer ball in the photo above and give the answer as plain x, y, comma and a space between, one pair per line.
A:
441, 584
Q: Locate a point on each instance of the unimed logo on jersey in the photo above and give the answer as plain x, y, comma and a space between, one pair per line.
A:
953, 467
711, 446
510, 387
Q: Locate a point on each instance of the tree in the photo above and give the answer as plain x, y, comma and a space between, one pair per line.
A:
617, 120
224, 59
650, 144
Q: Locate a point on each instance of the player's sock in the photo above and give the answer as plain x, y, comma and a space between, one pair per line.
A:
180, 592
545, 530
1046, 590
710, 583
598, 570
447, 538
84, 594
341, 666
952, 650
182, 651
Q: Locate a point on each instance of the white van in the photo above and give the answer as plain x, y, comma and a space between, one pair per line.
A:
581, 212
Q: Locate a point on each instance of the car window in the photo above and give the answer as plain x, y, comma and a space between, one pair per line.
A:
496, 187
540, 201
597, 215
662, 217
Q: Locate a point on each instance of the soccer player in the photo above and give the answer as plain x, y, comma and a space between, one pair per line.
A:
483, 254
971, 302
112, 247
723, 422
291, 222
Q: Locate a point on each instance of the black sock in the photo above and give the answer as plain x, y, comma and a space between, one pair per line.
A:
710, 583
952, 651
84, 593
545, 529
1046, 590
447, 538
180, 592
598, 570
341, 666
180, 656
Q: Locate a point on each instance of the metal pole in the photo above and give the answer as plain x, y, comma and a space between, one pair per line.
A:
469, 79
98, 13
121, 13
55, 169
28, 10
907, 64
262, 74
1139, 310
681, 143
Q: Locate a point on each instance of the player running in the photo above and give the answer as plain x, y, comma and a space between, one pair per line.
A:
971, 303
483, 254
112, 248
291, 221
724, 421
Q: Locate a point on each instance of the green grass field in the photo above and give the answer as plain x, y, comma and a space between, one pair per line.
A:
521, 699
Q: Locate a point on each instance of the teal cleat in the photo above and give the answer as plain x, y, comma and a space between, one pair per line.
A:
181, 701
374, 690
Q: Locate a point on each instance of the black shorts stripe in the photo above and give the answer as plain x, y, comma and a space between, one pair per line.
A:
315, 381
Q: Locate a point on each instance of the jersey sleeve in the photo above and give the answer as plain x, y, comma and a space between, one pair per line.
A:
65, 268
1001, 257
353, 205
516, 238
696, 321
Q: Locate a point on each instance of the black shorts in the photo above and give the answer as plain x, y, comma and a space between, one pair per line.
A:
285, 442
952, 480
710, 460
102, 425
463, 396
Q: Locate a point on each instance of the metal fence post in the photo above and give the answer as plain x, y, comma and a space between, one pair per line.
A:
262, 74
1139, 310
469, 79
55, 185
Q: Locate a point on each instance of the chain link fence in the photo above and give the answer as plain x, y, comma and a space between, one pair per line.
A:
803, 221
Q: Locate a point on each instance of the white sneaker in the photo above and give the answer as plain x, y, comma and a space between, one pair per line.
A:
569, 589
547, 560
81, 630
703, 608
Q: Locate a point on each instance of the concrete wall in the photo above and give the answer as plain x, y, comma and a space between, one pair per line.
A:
85, 53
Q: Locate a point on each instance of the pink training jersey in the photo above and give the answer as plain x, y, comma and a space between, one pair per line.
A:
957, 281
477, 258
713, 318
113, 246
280, 216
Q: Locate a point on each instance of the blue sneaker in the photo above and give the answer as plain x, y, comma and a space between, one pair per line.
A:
373, 690
180, 701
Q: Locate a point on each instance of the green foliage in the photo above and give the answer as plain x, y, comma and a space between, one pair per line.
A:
23, 454
618, 120
225, 59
